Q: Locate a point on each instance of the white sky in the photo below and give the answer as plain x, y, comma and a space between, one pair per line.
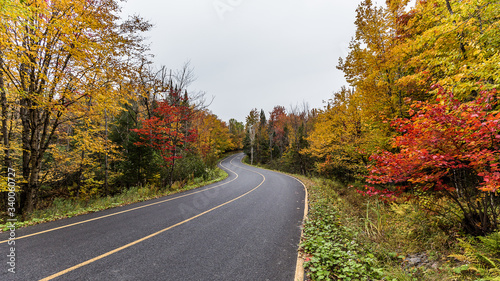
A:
253, 53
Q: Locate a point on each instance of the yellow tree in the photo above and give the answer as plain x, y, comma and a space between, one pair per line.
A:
372, 68
9, 10
452, 43
341, 140
59, 54
369, 66
213, 137
237, 134
81, 153
399, 53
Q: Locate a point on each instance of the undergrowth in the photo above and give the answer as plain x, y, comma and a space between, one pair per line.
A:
333, 251
351, 237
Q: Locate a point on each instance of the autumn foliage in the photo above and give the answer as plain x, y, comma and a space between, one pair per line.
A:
60, 61
448, 148
165, 131
442, 146
213, 137
83, 111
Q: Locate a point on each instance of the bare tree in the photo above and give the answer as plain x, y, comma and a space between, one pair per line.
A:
182, 79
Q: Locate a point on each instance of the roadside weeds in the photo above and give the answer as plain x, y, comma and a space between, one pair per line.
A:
351, 237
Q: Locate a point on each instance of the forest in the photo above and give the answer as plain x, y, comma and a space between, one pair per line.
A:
402, 164
85, 113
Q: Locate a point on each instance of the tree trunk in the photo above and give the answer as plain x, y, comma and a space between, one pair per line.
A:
4, 116
37, 132
32, 161
448, 6
30, 144
26, 113
31, 193
106, 154
5, 131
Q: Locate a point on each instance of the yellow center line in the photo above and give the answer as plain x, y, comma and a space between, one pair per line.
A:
151, 235
125, 211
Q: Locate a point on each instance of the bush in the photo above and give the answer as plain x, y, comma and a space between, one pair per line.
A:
381, 236
189, 167
448, 150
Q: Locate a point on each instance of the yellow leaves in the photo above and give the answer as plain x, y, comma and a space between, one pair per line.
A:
213, 135
454, 47
64, 64
90, 188
338, 133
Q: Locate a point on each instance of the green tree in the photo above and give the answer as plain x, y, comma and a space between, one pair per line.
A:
300, 123
251, 127
140, 165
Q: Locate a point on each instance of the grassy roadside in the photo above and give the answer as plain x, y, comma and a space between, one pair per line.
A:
65, 208
351, 237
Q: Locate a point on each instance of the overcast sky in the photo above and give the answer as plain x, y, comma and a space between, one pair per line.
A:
253, 53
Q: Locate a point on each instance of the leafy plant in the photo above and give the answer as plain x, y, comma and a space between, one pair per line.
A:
376, 226
481, 257
332, 251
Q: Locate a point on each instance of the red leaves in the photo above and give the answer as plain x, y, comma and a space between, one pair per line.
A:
166, 131
439, 139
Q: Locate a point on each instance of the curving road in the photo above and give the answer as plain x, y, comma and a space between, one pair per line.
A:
246, 227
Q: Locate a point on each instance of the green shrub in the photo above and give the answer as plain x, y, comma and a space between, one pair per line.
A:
332, 250
189, 167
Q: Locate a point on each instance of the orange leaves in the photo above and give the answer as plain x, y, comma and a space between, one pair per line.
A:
442, 143
398, 54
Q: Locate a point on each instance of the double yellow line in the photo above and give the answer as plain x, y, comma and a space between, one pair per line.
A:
151, 235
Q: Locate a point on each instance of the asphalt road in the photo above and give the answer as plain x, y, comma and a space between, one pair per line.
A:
246, 227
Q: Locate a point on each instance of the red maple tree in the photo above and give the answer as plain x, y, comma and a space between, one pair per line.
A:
167, 131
